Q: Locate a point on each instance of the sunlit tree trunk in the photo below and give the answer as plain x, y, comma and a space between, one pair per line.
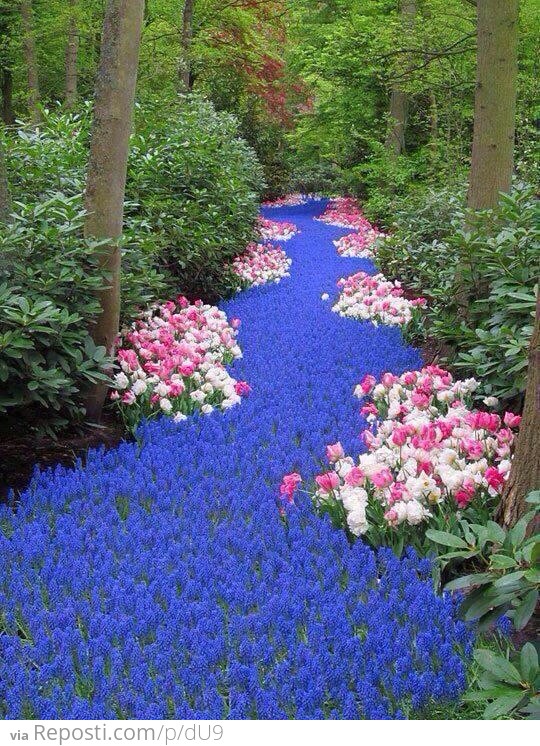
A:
185, 45
30, 58
106, 181
399, 99
72, 50
492, 159
525, 471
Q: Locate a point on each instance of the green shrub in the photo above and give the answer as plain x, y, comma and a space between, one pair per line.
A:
48, 279
505, 564
192, 193
479, 272
508, 683
197, 184
191, 204
51, 158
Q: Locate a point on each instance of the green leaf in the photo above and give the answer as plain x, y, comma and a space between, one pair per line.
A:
525, 610
509, 581
486, 602
497, 665
502, 562
480, 578
502, 706
528, 661
533, 497
446, 539
495, 532
517, 533
493, 693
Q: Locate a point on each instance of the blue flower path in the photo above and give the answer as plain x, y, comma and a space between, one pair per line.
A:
160, 581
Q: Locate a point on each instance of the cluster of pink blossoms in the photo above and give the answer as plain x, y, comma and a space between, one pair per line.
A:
262, 263
429, 452
361, 245
289, 200
374, 298
345, 212
276, 230
173, 359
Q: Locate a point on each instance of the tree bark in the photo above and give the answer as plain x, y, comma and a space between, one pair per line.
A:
106, 180
5, 199
492, 158
72, 50
6, 84
525, 472
30, 58
185, 45
399, 99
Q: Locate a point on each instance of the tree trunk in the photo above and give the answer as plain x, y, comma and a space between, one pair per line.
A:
433, 129
5, 200
399, 99
106, 181
185, 45
492, 159
6, 84
72, 50
30, 58
525, 472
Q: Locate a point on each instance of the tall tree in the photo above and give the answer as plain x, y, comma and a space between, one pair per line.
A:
6, 88
30, 58
525, 471
106, 180
185, 45
399, 99
72, 49
7, 13
492, 159
5, 200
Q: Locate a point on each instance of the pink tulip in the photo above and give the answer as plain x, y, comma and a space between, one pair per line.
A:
511, 419
334, 452
327, 481
382, 478
355, 477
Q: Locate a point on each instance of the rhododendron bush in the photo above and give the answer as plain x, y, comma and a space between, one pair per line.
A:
431, 458
261, 263
374, 298
273, 230
173, 361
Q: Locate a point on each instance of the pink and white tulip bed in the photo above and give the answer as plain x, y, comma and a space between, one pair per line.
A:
274, 230
361, 245
173, 360
345, 212
262, 263
289, 200
430, 458
376, 299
